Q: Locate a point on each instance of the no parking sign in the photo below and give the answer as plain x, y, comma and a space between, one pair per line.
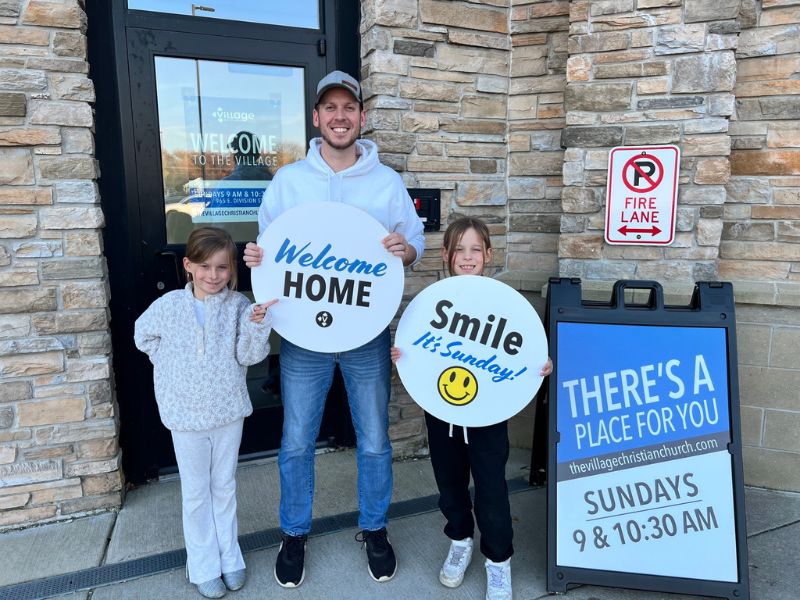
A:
642, 193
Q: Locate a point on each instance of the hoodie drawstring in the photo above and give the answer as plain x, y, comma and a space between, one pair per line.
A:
464, 429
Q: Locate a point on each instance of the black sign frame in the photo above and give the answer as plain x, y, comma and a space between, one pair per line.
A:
711, 305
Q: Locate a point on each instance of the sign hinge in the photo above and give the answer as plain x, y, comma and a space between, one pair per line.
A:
322, 47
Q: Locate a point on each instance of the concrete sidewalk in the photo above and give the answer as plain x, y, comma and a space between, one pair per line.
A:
138, 553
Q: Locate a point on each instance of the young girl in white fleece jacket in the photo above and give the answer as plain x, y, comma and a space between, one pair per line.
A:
201, 340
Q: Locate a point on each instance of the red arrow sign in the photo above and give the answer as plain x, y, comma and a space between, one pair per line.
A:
625, 230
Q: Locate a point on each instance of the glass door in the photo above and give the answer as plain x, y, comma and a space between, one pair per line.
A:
213, 120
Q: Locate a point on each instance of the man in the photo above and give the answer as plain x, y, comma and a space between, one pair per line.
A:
339, 168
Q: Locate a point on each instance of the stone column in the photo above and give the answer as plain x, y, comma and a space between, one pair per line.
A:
59, 454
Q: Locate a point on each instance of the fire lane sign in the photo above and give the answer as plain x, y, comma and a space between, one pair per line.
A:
642, 194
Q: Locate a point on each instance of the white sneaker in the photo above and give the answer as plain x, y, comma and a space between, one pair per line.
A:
498, 580
456, 563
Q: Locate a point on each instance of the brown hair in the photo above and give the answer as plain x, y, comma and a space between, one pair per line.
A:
456, 230
205, 241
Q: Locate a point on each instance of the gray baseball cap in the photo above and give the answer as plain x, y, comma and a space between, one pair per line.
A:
338, 79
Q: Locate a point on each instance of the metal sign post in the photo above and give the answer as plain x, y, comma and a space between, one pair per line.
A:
644, 481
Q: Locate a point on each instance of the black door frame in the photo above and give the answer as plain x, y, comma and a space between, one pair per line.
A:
142, 437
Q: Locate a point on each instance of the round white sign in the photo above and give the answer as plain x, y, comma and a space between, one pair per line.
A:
337, 286
471, 350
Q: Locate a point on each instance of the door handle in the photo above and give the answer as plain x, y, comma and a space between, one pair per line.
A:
178, 280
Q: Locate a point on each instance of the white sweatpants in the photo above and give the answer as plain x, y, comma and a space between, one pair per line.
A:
207, 466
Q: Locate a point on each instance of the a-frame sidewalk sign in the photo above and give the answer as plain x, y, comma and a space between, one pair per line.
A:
644, 456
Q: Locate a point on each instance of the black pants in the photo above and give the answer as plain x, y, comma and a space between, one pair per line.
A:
485, 456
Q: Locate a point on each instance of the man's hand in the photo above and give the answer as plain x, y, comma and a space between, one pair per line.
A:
253, 254
397, 244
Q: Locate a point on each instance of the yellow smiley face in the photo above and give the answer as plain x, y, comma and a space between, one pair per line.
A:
457, 386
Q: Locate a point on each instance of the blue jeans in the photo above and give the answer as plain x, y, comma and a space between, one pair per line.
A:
305, 379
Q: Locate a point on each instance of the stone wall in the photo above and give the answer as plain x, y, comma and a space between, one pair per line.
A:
760, 248
59, 454
435, 77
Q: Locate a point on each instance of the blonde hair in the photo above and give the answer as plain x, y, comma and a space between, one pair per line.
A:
205, 241
456, 230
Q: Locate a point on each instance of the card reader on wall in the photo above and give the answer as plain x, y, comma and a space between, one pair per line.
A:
427, 202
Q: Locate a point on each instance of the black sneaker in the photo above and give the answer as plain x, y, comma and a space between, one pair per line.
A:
290, 566
381, 560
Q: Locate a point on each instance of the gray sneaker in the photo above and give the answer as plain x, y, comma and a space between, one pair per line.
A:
456, 563
235, 579
498, 580
214, 588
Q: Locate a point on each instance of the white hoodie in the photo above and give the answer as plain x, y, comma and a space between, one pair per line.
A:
368, 185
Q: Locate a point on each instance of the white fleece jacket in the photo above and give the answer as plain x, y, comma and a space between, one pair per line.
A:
200, 372
368, 185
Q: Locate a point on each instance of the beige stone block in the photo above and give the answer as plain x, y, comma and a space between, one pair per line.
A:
29, 36
69, 43
772, 469
50, 412
743, 270
481, 193
429, 90
88, 369
780, 16
767, 68
83, 243
73, 167
783, 351
767, 88
57, 491
483, 107
769, 388
759, 250
58, 112
752, 424
17, 166
465, 38
522, 107
94, 485
706, 145
472, 60
17, 223
14, 501
783, 135
93, 503
21, 473
23, 301
26, 365
540, 163
709, 232
476, 149
101, 448
416, 122
21, 80
753, 343
463, 16
713, 171
26, 516
19, 277
579, 68
84, 295
8, 454
438, 165
46, 13
28, 136
68, 322
96, 467
780, 430
71, 217
25, 196
385, 62
72, 87
76, 432
580, 246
